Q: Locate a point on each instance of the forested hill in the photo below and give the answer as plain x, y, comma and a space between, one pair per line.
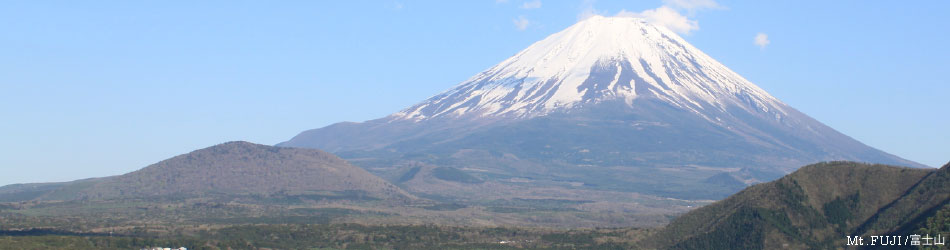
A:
815, 207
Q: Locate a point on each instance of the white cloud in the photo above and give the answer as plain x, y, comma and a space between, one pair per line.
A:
667, 17
762, 40
625, 13
588, 10
531, 5
692, 5
521, 23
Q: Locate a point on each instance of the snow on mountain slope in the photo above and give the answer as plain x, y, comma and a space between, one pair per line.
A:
598, 59
621, 88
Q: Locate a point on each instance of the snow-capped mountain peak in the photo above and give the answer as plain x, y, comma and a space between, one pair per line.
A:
609, 98
600, 58
608, 91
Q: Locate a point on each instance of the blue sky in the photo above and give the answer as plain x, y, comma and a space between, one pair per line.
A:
98, 88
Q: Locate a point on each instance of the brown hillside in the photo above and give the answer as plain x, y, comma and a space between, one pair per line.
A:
240, 168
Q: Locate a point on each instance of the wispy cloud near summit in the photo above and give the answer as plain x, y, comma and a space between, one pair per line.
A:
667, 15
531, 5
521, 23
692, 5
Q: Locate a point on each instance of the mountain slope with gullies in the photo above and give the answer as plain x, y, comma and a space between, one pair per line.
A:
612, 102
815, 207
233, 169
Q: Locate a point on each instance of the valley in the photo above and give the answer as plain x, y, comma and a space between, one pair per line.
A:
811, 208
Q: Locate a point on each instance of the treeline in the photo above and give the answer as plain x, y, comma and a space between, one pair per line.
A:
97, 242
337, 236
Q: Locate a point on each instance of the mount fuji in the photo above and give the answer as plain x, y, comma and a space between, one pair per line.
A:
610, 103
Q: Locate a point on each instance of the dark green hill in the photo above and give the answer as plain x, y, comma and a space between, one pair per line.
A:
814, 207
